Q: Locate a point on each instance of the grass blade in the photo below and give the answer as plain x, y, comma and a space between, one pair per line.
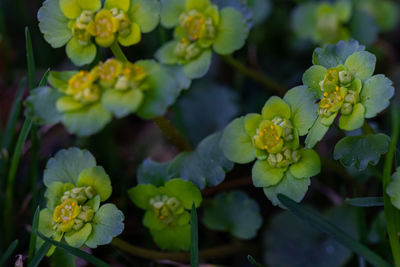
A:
30, 59
365, 201
7, 254
253, 261
392, 215
194, 238
312, 217
39, 255
32, 240
76, 252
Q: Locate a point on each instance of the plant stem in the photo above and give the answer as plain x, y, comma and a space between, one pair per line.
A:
212, 253
117, 51
392, 215
255, 75
172, 133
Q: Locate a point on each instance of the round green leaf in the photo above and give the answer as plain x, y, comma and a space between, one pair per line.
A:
232, 31
359, 151
353, 121
98, 179
199, 5
393, 189
251, 123
170, 12
76, 239
121, 103
54, 192
80, 54
59, 79
68, 103
375, 95
67, 165
45, 224
151, 172
172, 238
313, 76
309, 164
132, 38
303, 108
361, 64
198, 67
165, 54
275, 106
303, 20
88, 120
120, 4
316, 133
146, 13
233, 212
264, 175
107, 223
141, 194
289, 186
236, 144
151, 221
185, 191
53, 24
41, 106
162, 92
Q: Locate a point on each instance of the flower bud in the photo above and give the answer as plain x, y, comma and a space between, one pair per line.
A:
345, 77
347, 108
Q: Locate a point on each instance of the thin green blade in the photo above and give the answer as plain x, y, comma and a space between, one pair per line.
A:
316, 220
39, 255
76, 252
32, 241
194, 238
365, 201
7, 254
253, 261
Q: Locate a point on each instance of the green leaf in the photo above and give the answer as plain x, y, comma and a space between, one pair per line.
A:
199, 66
30, 60
165, 54
365, 201
232, 32
304, 19
62, 258
309, 164
264, 175
206, 108
146, 13
53, 24
303, 108
313, 76
185, 191
151, 221
172, 238
88, 120
32, 239
76, 239
361, 64
122, 103
41, 106
107, 223
233, 212
236, 144
275, 106
363, 27
170, 12
162, 92
39, 255
359, 151
289, 185
339, 235
316, 133
9, 251
393, 189
98, 179
67, 165
151, 172
194, 238
333, 55
141, 195
76, 252
375, 95
353, 121
207, 165
59, 79
80, 54
377, 231
290, 241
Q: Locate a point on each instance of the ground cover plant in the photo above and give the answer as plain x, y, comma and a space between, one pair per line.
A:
199, 133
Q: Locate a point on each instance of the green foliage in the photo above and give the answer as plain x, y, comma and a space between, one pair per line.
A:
343, 83
290, 241
167, 211
7, 254
194, 238
361, 151
75, 188
200, 28
393, 189
233, 212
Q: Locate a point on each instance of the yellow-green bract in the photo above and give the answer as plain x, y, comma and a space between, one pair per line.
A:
76, 23
200, 27
75, 187
272, 138
167, 211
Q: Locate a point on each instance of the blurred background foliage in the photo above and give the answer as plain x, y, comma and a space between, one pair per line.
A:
275, 48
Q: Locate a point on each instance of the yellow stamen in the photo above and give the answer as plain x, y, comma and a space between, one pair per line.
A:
325, 94
339, 98
266, 147
337, 88
326, 105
